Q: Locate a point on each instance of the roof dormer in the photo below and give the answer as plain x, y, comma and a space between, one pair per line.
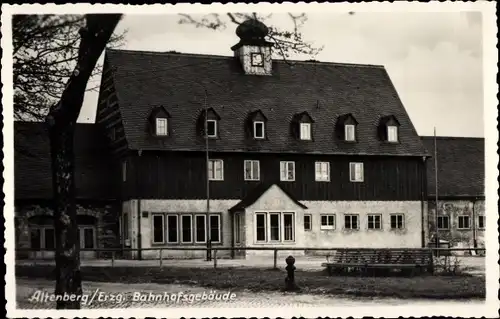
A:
302, 126
253, 51
208, 123
346, 128
159, 122
388, 129
256, 125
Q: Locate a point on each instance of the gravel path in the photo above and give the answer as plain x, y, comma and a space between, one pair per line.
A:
123, 295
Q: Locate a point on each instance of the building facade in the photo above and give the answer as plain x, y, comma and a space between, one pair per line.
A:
460, 218
241, 151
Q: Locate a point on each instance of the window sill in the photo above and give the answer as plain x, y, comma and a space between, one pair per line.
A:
463, 228
252, 180
375, 229
356, 181
287, 180
322, 181
327, 229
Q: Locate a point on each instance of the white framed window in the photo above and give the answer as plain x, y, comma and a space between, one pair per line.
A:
287, 171
259, 130
397, 221
392, 133
216, 170
257, 59
305, 131
200, 228
327, 222
237, 228
252, 170
356, 173
158, 228
322, 171
172, 228
288, 227
463, 222
374, 221
124, 171
275, 226
481, 220
350, 132
215, 228
443, 222
161, 126
351, 221
186, 228
43, 237
261, 227
307, 222
211, 128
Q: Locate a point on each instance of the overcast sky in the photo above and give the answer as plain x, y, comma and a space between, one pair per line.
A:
434, 59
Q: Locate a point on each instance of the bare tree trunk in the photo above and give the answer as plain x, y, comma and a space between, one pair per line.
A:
62, 121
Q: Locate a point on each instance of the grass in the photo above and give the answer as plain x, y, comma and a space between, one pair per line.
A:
261, 280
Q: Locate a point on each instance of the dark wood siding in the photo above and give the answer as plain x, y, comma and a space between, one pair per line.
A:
181, 175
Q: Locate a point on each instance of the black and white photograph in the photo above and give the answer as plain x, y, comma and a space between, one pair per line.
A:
251, 159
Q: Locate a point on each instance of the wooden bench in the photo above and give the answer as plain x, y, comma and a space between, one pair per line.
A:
366, 260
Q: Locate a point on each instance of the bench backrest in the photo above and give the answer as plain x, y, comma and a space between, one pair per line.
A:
383, 256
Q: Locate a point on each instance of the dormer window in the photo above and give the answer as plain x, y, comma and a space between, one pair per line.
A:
302, 126
255, 125
257, 59
211, 128
208, 124
350, 132
346, 128
392, 133
161, 126
389, 129
305, 131
258, 129
159, 122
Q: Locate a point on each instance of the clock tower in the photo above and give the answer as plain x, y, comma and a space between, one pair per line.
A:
253, 51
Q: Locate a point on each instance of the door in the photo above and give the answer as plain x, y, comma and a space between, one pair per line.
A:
87, 241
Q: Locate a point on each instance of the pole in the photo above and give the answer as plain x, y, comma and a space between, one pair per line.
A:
207, 221
436, 177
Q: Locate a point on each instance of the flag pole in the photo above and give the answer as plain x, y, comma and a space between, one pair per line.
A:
436, 178
207, 217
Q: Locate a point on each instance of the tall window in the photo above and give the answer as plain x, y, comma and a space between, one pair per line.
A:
287, 171
350, 132
200, 228
375, 221
50, 238
35, 238
211, 128
87, 242
252, 170
322, 170
215, 170
305, 131
158, 229
161, 127
392, 133
125, 226
275, 226
288, 226
307, 222
463, 222
172, 229
258, 129
356, 173
480, 221
443, 222
260, 226
351, 221
237, 228
327, 222
186, 227
215, 229
397, 221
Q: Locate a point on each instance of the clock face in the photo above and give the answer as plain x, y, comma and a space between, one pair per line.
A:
257, 59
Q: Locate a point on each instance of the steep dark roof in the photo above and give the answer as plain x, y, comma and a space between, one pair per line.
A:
32, 167
144, 80
460, 166
256, 193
